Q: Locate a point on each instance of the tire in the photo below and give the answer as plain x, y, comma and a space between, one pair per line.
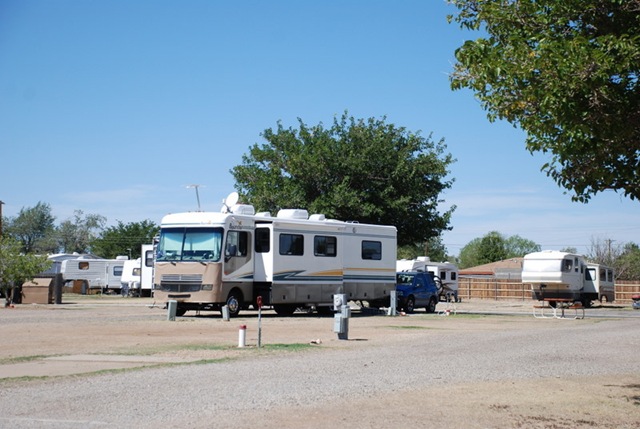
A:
410, 305
180, 311
233, 302
284, 309
431, 307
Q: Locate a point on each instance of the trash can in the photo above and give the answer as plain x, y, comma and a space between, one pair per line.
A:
636, 302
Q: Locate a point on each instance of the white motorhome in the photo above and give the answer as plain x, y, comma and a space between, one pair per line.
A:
560, 275
103, 274
445, 274
137, 275
207, 260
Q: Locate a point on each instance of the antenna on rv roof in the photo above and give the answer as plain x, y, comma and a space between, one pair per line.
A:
197, 194
230, 201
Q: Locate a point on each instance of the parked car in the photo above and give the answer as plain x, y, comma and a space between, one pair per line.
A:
416, 289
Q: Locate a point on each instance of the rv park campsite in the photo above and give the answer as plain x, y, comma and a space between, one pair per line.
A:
113, 362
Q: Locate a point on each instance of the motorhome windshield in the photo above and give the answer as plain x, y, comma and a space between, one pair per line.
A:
189, 244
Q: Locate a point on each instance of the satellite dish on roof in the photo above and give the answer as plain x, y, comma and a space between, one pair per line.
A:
230, 201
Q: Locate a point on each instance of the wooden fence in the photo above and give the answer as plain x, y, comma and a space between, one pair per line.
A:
502, 289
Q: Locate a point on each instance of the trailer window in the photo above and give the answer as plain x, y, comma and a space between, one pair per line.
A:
263, 240
372, 250
324, 245
83, 265
117, 271
291, 244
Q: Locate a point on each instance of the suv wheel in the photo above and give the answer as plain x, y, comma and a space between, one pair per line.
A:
431, 307
410, 305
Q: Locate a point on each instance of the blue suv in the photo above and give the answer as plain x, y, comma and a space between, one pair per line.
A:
416, 289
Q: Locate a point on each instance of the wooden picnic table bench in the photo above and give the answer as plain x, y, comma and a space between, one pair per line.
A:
558, 306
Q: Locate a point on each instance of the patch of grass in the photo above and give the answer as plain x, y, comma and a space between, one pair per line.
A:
288, 347
410, 327
21, 359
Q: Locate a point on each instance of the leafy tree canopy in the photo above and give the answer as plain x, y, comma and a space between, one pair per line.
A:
363, 170
495, 247
16, 267
33, 228
76, 235
433, 248
566, 72
124, 239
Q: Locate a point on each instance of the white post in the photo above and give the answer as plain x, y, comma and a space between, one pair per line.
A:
242, 336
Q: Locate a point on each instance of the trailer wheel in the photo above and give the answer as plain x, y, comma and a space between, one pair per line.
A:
233, 302
431, 307
180, 311
410, 305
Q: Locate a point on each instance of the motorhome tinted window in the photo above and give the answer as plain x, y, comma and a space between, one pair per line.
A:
189, 244
237, 243
291, 244
372, 250
263, 240
324, 245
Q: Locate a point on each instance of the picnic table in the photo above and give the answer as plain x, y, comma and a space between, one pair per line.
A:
557, 308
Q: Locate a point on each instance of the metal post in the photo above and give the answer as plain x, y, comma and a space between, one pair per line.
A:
172, 307
393, 302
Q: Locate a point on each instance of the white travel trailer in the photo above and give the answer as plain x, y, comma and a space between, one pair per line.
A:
103, 274
599, 284
57, 258
137, 275
560, 275
445, 274
207, 260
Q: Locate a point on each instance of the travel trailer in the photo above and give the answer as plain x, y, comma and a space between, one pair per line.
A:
445, 274
207, 260
137, 275
103, 274
560, 275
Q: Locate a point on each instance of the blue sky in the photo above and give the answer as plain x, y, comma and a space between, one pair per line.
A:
114, 107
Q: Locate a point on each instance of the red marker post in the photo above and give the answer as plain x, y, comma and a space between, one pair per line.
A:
259, 303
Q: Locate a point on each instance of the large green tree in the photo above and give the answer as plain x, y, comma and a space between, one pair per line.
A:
76, 235
368, 171
493, 247
566, 72
33, 228
17, 267
124, 239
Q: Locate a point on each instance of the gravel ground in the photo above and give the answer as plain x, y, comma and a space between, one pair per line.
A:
492, 365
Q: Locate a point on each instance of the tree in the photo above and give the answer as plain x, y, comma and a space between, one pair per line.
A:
433, 248
360, 170
33, 228
16, 267
566, 72
627, 266
76, 235
494, 247
517, 246
125, 239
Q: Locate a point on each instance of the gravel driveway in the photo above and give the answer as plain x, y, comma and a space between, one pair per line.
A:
491, 365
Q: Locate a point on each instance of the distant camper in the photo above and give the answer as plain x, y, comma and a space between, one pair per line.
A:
554, 274
102, 274
137, 275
